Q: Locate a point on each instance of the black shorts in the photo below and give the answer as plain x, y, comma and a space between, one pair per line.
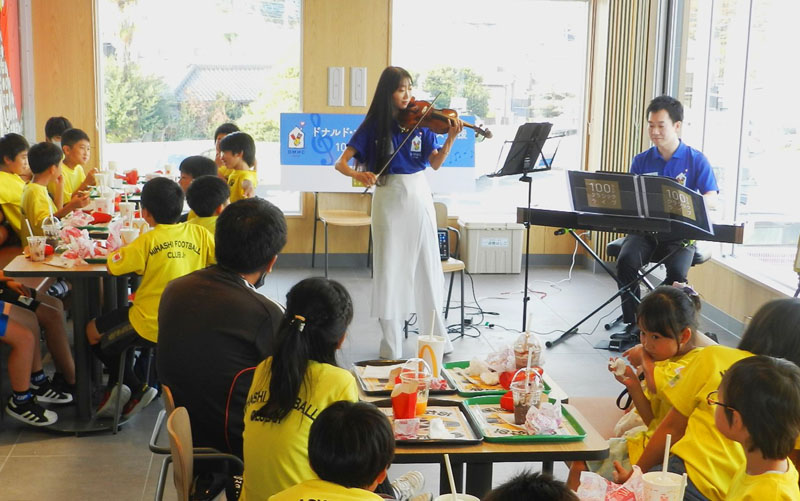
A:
116, 331
11, 296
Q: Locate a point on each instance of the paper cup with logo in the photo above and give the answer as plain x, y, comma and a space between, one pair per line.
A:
459, 497
431, 350
663, 486
104, 204
126, 211
36, 247
128, 235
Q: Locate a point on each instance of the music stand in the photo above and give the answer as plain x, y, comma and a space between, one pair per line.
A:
523, 157
797, 268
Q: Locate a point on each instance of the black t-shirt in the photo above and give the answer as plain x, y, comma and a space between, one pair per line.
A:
212, 327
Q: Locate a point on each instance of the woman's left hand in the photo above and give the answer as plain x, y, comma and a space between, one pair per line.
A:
456, 126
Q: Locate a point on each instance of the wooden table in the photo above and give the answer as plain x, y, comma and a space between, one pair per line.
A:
480, 458
83, 279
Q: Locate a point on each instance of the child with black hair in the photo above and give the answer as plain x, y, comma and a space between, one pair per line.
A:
699, 449
54, 128
76, 149
45, 163
532, 485
294, 385
13, 171
239, 156
758, 405
207, 196
166, 252
667, 320
222, 131
350, 447
193, 167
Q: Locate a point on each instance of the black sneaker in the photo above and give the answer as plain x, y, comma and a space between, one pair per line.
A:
61, 384
59, 290
139, 400
49, 394
31, 413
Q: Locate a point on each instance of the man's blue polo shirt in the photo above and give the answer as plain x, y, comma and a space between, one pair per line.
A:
413, 157
687, 166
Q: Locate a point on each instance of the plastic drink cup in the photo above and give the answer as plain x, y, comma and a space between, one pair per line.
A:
102, 179
431, 349
423, 382
127, 210
663, 486
105, 204
525, 394
36, 246
128, 235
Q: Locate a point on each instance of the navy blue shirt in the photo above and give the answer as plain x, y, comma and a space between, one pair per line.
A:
687, 166
413, 157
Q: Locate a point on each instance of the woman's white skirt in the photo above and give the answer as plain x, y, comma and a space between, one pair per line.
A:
408, 271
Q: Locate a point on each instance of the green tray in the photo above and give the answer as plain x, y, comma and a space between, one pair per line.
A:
96, 260
455, 380
577, 432
103, 229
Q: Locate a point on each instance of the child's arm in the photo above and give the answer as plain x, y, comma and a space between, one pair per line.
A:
248, 189
79, 200
634, 387
674, 423
58, 192
88, 181
648, 365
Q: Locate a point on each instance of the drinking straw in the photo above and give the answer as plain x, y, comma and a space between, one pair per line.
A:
433, 323
30, 230
666, 454
528, 372
450, 476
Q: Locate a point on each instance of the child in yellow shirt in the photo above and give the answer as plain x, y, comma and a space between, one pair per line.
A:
166, 252
193, 167
207, 197
222, 131
239, 156
54, 127
758, 405
14, 157
76, 149
350, 447
45, 163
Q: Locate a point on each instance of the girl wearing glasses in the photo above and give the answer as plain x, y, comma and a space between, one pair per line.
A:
698, 448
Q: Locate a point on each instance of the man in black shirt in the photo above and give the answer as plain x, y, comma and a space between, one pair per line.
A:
214, 327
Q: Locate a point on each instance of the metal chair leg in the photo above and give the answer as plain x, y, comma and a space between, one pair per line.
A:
449, 293
325, 226
462, 303
123, 359
371, 263
314, 240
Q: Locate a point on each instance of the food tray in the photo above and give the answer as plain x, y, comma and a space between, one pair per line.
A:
383, 387
484, 411
455, 416
470, 386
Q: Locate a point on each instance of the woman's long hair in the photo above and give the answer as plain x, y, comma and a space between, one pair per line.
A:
318, 312
380, 117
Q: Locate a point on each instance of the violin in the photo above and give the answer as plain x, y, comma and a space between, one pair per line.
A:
437, 120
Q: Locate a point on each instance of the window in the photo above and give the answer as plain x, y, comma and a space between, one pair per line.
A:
741, 111
516, 62
175, 70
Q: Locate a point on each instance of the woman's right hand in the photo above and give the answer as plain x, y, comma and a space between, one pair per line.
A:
365, 178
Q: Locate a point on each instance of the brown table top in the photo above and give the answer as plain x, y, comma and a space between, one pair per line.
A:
21, 266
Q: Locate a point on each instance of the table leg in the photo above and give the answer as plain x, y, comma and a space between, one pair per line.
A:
458, 476
109, 294
479, 479
547, 467
80, 301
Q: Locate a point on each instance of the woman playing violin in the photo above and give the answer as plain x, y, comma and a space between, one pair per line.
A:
408, 271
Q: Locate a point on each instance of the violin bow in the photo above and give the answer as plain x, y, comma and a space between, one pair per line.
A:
403, 142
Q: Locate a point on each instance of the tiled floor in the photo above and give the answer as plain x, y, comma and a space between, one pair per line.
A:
40, 465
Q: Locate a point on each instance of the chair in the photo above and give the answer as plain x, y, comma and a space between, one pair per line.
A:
341, 209
169, 406
701, 255
183, 455
146, 352
453, 264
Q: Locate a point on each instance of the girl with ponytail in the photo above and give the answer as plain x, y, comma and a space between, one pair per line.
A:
294, 385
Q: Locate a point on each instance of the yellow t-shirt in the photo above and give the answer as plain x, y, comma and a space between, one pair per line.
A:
164, 253
664, 373
36, 205
323, 490
224, 171
209, 223
73, 178
767, 486
711, 459
235, 179
11, 187
276, 454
